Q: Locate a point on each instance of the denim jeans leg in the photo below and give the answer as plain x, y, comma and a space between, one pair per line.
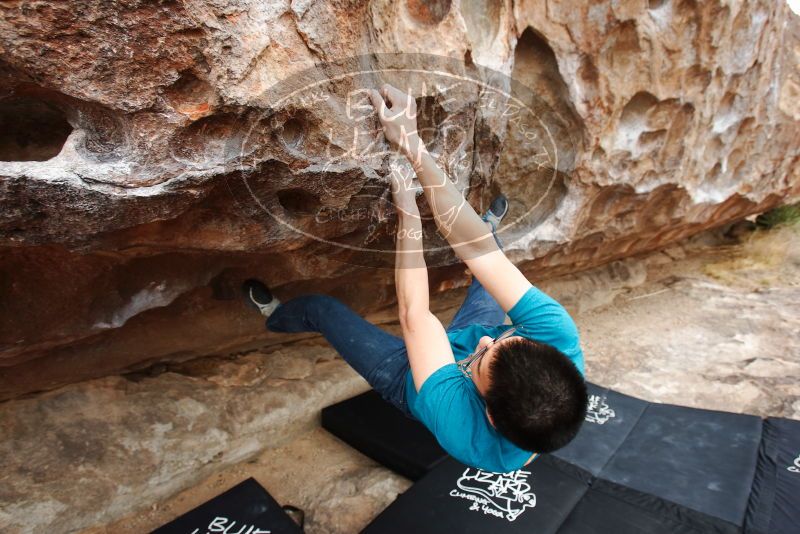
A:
376, 355
479, 306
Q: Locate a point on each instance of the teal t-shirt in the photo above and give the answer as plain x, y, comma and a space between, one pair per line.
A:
449, 404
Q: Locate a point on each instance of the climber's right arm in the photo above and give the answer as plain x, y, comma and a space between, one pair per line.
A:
426, 340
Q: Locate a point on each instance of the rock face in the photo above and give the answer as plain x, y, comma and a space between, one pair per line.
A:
145, 153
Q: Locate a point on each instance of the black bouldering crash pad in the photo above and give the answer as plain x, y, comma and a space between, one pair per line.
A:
246, 508
454, 498
775, 500
701, 459
610, 417
609, 507
634, 467
377, 429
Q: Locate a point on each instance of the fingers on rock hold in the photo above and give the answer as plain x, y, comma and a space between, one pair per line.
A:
393, 95
396, 96
376, 99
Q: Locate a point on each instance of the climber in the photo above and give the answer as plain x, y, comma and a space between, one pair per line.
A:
494, 395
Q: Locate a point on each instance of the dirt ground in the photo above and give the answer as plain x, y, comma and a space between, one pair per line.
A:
717, 328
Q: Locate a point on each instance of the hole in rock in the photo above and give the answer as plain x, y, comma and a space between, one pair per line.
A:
638, 105
297, 201
655, 4
747, 125
540, 149
191, 96
736, 158
623, 49
31, 129
589, 78
686, 10
697, 77
536, 66
727, 114
468, 58
652, 141
293, 132
210, 140
430, 12
633, 120
187, 87
588, 72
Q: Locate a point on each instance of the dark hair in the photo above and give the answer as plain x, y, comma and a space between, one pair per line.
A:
537, 397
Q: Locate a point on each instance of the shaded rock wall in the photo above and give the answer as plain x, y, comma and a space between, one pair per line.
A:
128, 218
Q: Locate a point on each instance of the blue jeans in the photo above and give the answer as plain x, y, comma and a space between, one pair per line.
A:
378, 356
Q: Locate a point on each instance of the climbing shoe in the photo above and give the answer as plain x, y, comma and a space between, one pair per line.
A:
259, 297
497, 210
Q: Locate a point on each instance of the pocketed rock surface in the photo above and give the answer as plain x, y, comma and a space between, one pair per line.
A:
711, 323
147, 163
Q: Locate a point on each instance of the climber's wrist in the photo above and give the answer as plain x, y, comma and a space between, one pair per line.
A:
413, 148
